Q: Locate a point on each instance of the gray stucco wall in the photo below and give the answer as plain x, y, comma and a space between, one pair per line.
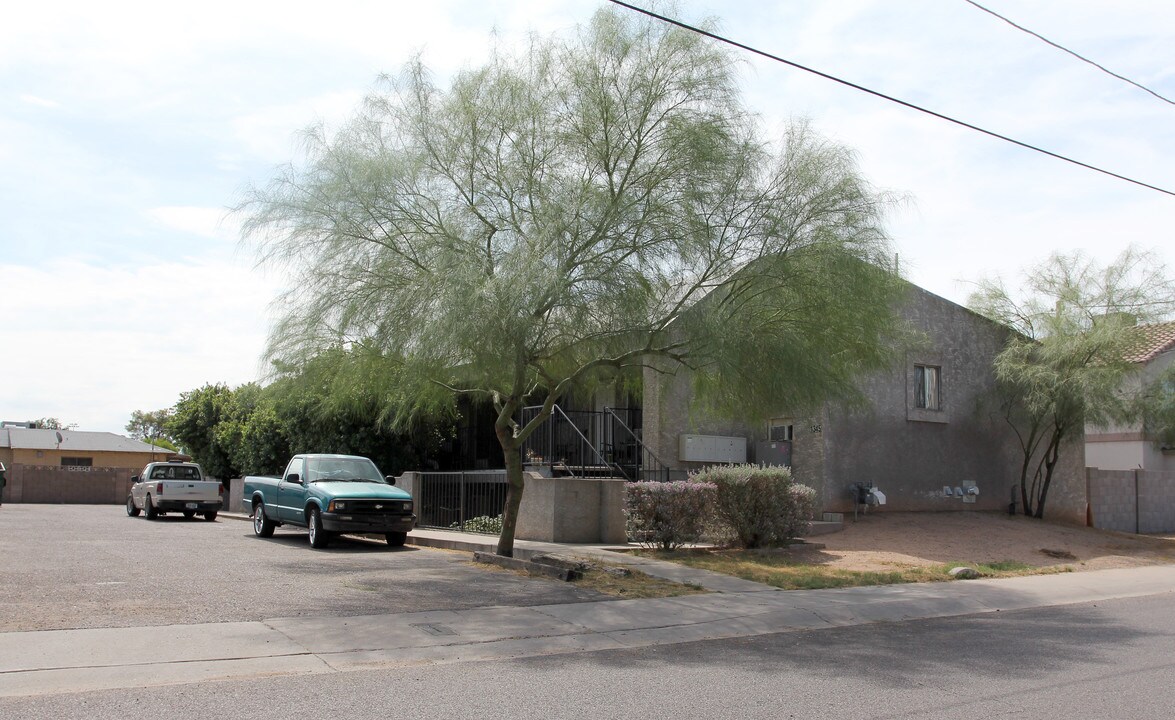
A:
909, 453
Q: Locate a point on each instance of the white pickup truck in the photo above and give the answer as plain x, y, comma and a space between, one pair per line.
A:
173, 486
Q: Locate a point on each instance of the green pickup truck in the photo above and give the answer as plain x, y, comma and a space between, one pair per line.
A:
330, 494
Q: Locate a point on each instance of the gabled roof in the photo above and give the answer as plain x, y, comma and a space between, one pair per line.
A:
1153, 340
71, 440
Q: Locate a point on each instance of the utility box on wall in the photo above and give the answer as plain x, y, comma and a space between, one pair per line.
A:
773, 453
713, 449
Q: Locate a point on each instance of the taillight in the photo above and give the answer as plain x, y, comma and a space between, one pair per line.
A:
159, 488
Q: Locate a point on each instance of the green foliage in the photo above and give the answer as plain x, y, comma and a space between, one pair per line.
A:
196, 423
49, 423
489, 525
597, 203
1156, 403
332, 403
758, 506
344, 401
667, 515
163, 443
1068, 362
149, 425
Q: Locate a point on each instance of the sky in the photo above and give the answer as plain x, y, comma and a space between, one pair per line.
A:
128, 128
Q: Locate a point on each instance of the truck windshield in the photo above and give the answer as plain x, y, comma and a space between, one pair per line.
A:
334, 469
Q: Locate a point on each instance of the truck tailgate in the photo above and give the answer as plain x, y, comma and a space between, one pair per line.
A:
189, 490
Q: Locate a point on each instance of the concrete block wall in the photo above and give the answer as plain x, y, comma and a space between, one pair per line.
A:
1156, 502
54, 484
1141, 501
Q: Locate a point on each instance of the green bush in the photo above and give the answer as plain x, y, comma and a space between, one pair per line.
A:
757, 506
483, 524
667, 515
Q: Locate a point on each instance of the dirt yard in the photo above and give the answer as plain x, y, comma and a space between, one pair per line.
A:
883, 540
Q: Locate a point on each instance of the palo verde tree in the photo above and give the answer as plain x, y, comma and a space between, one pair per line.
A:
591, 203
1156, 403
1068, 361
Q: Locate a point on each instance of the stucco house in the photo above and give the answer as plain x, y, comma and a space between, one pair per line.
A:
1129, 447
929, 435
71, 465
75, 448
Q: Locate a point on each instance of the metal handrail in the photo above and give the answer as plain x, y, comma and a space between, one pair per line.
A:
547, 456
588, 443
656, 467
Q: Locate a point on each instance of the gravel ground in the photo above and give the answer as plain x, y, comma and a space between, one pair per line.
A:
86, 566
882, 541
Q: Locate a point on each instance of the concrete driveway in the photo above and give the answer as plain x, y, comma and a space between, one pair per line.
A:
91, 566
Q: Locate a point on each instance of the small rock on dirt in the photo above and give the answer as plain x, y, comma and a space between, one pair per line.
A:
964, 573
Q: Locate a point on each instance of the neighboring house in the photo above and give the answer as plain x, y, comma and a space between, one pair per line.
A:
929, 431
1128, 447
71, 466
75, 449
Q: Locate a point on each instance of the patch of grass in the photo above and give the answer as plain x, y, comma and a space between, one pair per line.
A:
634, 584
616, 580
788, 573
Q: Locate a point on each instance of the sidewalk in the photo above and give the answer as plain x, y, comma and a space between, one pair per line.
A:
60, 661
526, 549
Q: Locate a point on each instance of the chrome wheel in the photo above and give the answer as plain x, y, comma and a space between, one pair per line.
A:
319, 538
262, 525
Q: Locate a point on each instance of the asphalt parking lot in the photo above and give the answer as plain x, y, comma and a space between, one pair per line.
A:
91, 566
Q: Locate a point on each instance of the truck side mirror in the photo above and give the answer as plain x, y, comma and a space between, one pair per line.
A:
391, 479
134, 478
294, 478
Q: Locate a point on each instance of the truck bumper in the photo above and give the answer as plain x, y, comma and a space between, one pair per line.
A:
365, 523
181, 505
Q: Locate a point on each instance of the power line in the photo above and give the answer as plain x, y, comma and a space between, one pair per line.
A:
883, 96
1065, 49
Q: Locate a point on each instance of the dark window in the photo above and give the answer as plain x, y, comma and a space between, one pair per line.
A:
77, 462
927, 387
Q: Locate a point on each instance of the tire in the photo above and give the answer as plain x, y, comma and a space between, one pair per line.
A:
189, 514
319, 538
210, 516
262, 525
131, 510
149, 509
396, 539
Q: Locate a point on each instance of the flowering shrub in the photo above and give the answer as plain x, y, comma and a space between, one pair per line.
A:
483, 524
757, 506
667, 515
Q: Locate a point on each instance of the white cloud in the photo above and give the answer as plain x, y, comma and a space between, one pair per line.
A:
127, 126
213, 223
90, 344
38, 101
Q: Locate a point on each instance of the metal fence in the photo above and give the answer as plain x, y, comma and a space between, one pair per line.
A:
470, 501
593, 443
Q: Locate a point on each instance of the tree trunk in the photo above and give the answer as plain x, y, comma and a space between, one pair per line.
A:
1052, 454
515, 484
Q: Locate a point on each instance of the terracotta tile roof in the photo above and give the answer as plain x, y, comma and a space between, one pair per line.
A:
1153, 340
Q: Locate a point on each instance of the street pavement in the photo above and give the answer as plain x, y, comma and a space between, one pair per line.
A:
64, 661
